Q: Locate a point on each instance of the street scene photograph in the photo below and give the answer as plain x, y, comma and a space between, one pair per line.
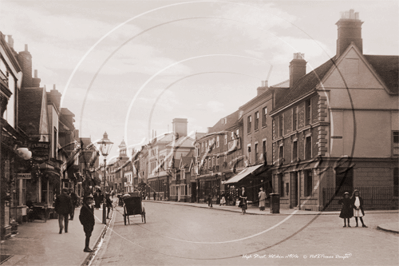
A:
199, 132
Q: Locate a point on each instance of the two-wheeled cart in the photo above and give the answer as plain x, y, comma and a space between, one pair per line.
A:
133, 205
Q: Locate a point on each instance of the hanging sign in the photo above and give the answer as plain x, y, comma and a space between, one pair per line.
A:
40, 151
24, 176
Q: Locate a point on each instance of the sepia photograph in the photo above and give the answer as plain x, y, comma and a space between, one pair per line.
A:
199, 132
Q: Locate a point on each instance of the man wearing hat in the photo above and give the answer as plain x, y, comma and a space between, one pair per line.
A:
63, 206
86, 218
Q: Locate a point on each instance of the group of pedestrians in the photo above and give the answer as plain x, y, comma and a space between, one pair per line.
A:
352, 207
65, 205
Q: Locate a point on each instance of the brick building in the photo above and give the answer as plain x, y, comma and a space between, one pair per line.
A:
336, 127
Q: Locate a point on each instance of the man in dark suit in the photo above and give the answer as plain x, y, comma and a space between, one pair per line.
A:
74, 200
63, 206
86, 218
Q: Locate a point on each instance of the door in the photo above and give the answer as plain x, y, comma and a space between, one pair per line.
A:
294, 190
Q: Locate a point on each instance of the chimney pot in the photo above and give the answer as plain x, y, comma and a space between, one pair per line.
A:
35, 76
54, 87
26, 48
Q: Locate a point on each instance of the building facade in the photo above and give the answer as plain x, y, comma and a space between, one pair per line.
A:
336, 127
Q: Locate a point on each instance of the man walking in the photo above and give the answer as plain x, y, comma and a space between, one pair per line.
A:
86, 218
74, 200
63, 206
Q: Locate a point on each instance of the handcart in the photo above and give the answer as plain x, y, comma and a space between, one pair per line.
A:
132, 205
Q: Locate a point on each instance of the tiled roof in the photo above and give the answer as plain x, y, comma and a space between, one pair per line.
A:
29, 110
386, 67
303, 86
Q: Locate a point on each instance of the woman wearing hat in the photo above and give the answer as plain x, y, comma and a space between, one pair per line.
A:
346, 210
357, 203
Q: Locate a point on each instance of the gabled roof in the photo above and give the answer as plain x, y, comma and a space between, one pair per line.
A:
386, 66
226, 122
29, 110
304, 85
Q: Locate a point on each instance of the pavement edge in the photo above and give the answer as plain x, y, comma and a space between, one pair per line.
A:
91, 256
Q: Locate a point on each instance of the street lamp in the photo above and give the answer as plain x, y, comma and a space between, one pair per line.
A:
104, 145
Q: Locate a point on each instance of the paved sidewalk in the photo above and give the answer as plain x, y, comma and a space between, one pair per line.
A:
39, 243
390, 227
255, 210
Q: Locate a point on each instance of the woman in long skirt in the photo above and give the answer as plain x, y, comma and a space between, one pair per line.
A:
243, 200
262, 199
346, 210
357, 203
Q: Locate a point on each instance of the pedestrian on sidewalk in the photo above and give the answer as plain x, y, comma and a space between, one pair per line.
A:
346, 210
155, 194
63, 206
357, 203
210, 200
262, 199
108, 201
243, 200
74, 201
86, 218
223, 199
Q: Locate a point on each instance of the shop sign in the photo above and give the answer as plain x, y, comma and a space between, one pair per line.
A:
40, 151
24, 176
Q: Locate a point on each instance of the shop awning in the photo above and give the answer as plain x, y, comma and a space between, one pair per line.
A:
244, 173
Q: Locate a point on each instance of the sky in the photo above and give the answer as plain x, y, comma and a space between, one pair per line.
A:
130, 67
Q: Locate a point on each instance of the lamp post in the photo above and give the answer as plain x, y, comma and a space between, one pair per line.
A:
104, 146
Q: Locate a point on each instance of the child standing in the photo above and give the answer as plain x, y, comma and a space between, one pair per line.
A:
347, 210
357, 203
86, 218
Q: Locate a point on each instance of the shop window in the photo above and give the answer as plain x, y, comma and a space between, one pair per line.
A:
308, 183
287, 189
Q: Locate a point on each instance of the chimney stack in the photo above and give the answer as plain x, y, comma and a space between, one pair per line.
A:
297, 68
35, 80
10, 41
25, 61
54, 97
263, 88
180, 126
349, 30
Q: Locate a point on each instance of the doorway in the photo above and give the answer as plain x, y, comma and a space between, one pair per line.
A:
294, 190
